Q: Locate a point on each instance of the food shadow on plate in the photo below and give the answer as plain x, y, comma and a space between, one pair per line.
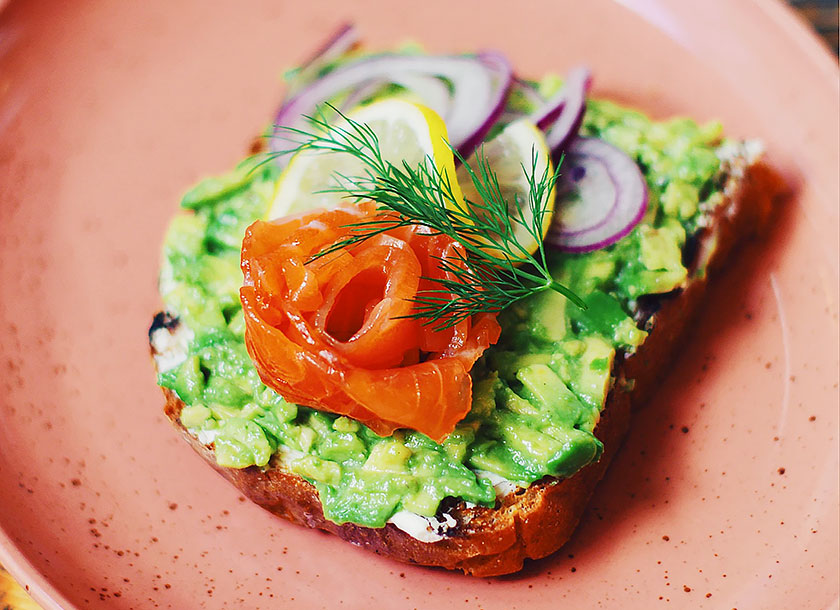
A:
657, 428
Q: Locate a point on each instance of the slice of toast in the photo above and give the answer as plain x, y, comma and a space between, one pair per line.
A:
535, 521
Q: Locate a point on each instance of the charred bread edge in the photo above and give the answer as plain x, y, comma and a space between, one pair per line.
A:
536, 521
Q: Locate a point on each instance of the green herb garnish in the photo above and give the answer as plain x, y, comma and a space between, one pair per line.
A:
494, 270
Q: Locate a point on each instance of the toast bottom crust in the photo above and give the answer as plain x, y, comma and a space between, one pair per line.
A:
529, 523
537, 521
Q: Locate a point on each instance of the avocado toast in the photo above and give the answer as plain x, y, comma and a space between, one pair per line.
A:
551, 399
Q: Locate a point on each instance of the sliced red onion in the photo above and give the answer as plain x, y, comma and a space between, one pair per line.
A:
362, 93
493, 106
561, 116
479, 88
432, 90
601, 196
529, 92
342, 40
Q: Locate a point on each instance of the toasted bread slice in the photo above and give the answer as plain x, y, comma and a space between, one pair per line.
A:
535, 521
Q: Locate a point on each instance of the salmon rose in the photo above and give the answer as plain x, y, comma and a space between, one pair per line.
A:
333, 333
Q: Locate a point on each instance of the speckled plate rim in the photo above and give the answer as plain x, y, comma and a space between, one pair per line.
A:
789, 28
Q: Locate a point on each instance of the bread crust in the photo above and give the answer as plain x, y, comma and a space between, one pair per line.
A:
537, 521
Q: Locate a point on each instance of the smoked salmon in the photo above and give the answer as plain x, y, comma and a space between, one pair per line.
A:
335, 333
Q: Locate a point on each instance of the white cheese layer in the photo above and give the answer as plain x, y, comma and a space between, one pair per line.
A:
502, 486
170, 346
424, 529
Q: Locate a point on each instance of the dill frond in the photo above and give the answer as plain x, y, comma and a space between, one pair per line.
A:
494, 270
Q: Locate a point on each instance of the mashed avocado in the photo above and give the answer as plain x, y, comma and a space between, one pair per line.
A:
537, 394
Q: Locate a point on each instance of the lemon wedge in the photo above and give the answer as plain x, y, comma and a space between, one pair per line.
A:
407, 132
506, 154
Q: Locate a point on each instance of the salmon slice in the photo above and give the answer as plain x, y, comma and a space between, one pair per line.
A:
334, 334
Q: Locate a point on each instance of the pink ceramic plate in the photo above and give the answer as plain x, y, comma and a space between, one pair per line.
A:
726, 492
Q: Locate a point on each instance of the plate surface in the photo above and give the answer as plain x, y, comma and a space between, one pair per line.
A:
726, 492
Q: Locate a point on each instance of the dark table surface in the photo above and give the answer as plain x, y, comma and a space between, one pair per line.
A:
822, 15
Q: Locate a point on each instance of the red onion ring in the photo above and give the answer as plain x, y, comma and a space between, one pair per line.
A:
529, 91
433, 91
612, 193
526, 90
479, 89
363, 92
561, 116
340, 42
502, 75
344, 39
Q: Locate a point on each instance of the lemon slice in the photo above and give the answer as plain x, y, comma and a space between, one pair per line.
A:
506, 155
407, 132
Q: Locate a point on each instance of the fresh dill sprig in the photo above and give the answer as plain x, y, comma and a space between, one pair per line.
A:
494, 269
